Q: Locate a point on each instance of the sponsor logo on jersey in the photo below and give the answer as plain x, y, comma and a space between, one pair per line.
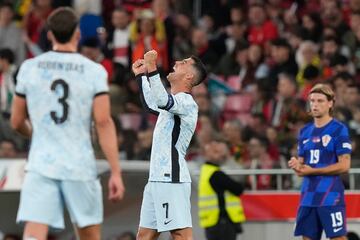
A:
316, 139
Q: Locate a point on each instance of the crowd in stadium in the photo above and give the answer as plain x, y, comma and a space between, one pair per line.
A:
263, 57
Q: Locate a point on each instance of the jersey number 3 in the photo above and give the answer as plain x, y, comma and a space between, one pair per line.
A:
62, 100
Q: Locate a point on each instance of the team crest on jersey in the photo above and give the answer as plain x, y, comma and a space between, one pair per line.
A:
315, 139
325, 140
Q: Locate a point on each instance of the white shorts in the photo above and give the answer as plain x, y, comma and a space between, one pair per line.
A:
166, 206
42, 200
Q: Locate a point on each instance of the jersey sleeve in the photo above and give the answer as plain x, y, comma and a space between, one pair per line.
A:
146, 97
21, 80
100, 82
179, 104
343, 142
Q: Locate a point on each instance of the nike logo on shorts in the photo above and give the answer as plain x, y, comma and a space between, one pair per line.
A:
337, 229
167, 222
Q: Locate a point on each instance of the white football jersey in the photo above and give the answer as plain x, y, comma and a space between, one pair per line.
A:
174, 129
59, 88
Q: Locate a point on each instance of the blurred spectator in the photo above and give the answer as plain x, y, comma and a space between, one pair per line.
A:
352, 97
284, 110
310, 77
340, 63
34, 22
340, 82
236, 32
312, 27
118, 45
332, 16
232, 131
284, 62
10, 34
90, 48
330, 47
260, 159
143, 147
306, 55
11, 237
162, 11
257, 63
132, 103
205, 133
203, 49
182, 41
237, 64
349, 37
7, 80
261, 29
7, 149
147, 33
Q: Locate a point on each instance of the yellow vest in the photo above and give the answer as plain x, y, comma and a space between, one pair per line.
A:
209, 210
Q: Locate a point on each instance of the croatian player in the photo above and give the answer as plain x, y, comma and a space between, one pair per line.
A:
324, 150
57, 94
166, 200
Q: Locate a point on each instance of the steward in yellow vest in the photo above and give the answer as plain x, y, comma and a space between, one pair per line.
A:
220, 209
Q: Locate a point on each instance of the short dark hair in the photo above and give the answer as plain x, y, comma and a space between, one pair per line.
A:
62, 23
7, 54
200, 69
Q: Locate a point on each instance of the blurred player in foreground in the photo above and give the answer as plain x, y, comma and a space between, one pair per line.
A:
324, 150
57, 94
166, 200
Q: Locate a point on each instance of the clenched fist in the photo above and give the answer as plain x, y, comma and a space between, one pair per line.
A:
150, 59
138, 67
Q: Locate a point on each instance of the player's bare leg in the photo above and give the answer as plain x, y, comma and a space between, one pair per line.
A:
36, 231
147, 234
306, 238
182, 234
90, 233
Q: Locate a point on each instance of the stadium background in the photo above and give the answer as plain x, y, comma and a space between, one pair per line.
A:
263, 57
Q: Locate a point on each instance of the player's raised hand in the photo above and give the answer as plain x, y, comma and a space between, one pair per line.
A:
138, 67
150, 59
116, 188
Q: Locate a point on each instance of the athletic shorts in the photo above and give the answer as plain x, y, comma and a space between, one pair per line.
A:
311, 221
166, 206
43, 199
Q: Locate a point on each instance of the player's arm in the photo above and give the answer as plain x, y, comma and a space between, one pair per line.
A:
146, 97
342, 166
107, 138
161, 97
19, 117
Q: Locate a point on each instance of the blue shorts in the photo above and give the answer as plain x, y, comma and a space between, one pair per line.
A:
166, 206
311, 221
42, 200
